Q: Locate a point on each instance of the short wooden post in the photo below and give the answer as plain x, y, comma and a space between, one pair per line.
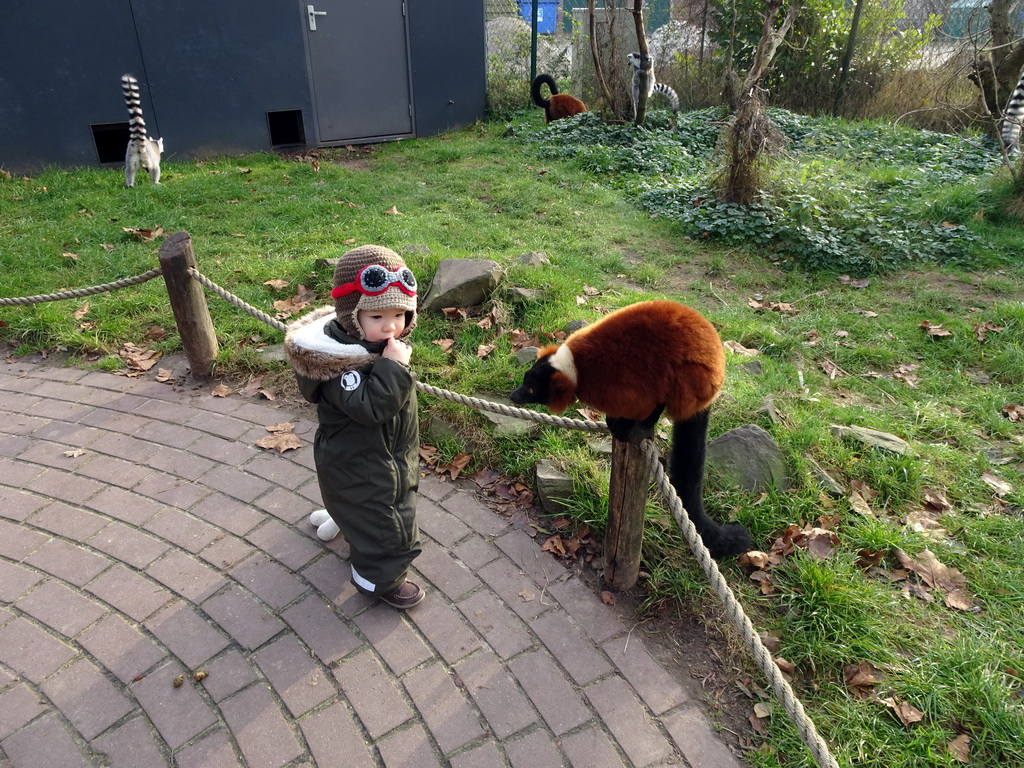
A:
627, 502
188, 303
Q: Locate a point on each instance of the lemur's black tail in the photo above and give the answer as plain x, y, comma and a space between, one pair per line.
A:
535, 94
686, 469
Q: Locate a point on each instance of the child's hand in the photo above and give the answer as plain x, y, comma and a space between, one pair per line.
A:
398, 351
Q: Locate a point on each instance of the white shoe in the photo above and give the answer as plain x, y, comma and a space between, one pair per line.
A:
327, 530
319, 517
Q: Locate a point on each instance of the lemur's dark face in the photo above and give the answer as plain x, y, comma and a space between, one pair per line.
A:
536, 386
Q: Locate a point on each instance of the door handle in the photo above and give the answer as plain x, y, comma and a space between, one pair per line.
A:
311, 14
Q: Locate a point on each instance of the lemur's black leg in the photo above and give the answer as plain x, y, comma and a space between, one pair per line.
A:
631, 430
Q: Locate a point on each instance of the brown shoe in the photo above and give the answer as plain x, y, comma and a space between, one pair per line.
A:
405, 596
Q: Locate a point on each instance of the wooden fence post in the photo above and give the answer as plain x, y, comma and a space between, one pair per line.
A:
627, 502
188, 303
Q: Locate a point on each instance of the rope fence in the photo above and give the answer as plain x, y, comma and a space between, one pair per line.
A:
762, 656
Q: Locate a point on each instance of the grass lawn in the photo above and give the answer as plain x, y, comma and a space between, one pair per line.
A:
880, 289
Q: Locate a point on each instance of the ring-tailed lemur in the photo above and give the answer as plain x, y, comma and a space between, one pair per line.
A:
1009, 129
143, 152
652, 85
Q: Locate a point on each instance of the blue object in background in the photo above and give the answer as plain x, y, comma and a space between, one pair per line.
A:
547, 14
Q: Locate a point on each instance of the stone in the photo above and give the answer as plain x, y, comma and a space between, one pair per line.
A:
749, 458
521, 296
506, 426
534, 259
461, 283
526, 356
874, 438
553, 488
824, 480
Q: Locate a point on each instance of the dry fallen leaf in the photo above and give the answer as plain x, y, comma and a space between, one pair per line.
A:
526, 595
860, 504
455, 467
934, 330
1000, 486
554, 545
960, 748
277, 285
280, 442
393, 211
738, 349
221, 390
444, 344
907, 713
608, 598
74, 453
861, 283
1014, 413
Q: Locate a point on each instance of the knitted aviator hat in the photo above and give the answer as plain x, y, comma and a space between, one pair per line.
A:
358, 284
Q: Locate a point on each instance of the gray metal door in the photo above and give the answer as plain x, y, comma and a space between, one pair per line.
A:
359, 60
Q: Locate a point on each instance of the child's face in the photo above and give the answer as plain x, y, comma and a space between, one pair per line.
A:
381, 324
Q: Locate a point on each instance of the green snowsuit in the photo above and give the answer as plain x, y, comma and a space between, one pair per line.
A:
366, 447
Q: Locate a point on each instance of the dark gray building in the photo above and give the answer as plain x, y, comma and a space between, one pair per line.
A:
233, 76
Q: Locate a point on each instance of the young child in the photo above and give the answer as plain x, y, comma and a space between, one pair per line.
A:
351, 361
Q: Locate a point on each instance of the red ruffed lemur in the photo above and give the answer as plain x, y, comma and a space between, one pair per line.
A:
632, 365
559, 105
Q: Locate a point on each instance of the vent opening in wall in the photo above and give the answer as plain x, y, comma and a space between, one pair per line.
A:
111, 140
286, 128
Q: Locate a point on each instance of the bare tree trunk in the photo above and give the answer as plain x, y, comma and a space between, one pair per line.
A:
646, 64
606, 93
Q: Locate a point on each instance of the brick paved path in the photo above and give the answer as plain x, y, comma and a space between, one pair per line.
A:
171, 544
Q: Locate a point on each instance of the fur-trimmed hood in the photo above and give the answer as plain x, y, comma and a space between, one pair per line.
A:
318, 356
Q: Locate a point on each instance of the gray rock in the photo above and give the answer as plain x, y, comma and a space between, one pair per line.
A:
534, 259
749, 458
415, 249
754, 367
461, 283
575, 325
523, 296
526, 356
824, 480
438, 430
874, 438
505, 426
273, 352
553, 488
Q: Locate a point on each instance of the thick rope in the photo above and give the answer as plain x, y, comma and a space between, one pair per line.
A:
77, 293
804, 725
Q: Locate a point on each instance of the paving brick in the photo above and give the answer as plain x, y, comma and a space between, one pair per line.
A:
696, 739
186, 634
15, 474
408, 747
447, 574
243, 617
659, 690
260, 728
127, 506
16, 445
186, 575
18, 705
226, 551
273, 584
286, 545
439, 524
228, 513
213, 751
114, 420
68, 562
631, 726
526, 553
47, 453
332, 577
573, 650
391, 635
277, 469
172, 491
217, 424
287, 506
484, 755
18, 505
327, 636
445, 629
170, 435
228, 673
16, 580
125, 403
120, 647
558, 702
452, 721
44, 743
182, 529
518, 590
333, 732
85, 697
372, 693
21, 425
113, 470
61, 608
434, 488
17, 402
68, 521
496, 693
474, 513
180, 463
163, 412
476, 552
124, 445
179, 713
592, 749
130, 593
130, 745
595, 618
67, 435
534, 749
295, 676
31, 652
128, 544
501, 628
223, 451
236, 483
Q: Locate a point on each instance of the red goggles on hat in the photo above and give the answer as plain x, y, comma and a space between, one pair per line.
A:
373, 280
